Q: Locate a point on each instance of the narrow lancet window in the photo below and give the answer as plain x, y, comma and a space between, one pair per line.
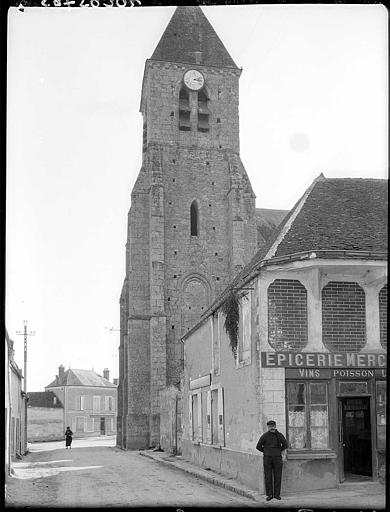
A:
194, 219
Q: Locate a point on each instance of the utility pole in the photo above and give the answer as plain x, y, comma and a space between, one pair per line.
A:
25, 334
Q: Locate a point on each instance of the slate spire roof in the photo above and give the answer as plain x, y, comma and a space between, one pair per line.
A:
187, 33
73, 377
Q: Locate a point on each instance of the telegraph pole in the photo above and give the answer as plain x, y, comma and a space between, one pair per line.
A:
25, 334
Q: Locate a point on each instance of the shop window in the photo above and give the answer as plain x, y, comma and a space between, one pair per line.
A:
381, 414
244, 330
308, 416
383, 316
184, 110
287, 315
343, 317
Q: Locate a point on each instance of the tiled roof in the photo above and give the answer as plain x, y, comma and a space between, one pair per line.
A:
187, 32
44, 399
340, 214
81, 378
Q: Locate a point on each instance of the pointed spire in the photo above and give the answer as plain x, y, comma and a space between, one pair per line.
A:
190, 38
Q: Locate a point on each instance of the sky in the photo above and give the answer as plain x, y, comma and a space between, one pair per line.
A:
313, 98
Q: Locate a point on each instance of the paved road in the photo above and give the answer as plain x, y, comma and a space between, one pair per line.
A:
99, 475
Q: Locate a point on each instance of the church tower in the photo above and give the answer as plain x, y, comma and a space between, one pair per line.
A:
191, 224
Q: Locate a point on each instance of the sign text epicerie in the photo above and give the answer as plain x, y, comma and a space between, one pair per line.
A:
322, 360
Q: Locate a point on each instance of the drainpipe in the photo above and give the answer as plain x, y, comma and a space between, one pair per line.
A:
175, 452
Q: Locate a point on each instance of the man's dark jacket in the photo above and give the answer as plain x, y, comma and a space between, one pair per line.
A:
272, 443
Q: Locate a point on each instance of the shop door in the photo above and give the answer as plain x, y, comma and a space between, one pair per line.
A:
355, 447
102, 426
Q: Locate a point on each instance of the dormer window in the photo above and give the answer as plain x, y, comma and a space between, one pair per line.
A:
194, 219
203, 112
184, 110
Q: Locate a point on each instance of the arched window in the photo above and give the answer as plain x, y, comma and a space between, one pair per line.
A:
203, 112
194, 214
184, 110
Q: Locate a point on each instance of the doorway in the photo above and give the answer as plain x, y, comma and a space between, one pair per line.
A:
102, 426
355, 425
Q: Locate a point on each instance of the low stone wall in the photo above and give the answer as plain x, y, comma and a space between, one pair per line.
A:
45, 424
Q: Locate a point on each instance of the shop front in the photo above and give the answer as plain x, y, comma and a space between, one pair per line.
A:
335, 411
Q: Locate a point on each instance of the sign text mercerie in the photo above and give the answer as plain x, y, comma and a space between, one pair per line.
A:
322, 360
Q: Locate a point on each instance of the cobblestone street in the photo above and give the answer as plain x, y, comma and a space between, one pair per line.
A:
94, 474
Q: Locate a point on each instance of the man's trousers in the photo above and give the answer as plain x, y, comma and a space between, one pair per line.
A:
273, 474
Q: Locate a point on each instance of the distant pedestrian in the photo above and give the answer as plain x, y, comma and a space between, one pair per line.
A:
272, 444
68, 438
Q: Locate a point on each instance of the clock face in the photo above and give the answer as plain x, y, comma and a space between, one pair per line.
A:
193, 79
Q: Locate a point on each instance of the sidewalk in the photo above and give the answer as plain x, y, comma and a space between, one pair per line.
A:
367, 495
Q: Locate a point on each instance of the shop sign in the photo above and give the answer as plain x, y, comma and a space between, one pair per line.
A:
322, 360
328, 373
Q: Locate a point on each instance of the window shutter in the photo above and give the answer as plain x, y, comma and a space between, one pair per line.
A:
208, 418
200, 430
221, 419
190, 422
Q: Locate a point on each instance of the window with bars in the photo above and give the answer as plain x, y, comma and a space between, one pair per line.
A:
307, 415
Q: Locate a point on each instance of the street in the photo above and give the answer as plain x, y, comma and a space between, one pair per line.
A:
96, 473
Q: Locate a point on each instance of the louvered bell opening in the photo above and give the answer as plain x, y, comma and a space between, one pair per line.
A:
203, 123
184, 121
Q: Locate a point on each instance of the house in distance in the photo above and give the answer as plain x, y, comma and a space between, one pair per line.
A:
89, 401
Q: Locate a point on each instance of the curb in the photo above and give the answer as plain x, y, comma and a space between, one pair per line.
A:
205, 475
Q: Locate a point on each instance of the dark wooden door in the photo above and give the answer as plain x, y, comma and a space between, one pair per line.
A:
102, 426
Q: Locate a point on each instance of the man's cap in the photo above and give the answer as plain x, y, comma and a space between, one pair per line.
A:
271, 422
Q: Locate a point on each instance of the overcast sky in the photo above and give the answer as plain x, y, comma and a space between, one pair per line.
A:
313, 98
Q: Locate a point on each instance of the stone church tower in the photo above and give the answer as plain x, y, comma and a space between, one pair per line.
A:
192, 221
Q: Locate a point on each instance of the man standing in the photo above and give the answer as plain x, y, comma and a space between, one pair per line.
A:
272, 444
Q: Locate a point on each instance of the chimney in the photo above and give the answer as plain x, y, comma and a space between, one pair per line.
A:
115, 381
61, 372
106, 373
